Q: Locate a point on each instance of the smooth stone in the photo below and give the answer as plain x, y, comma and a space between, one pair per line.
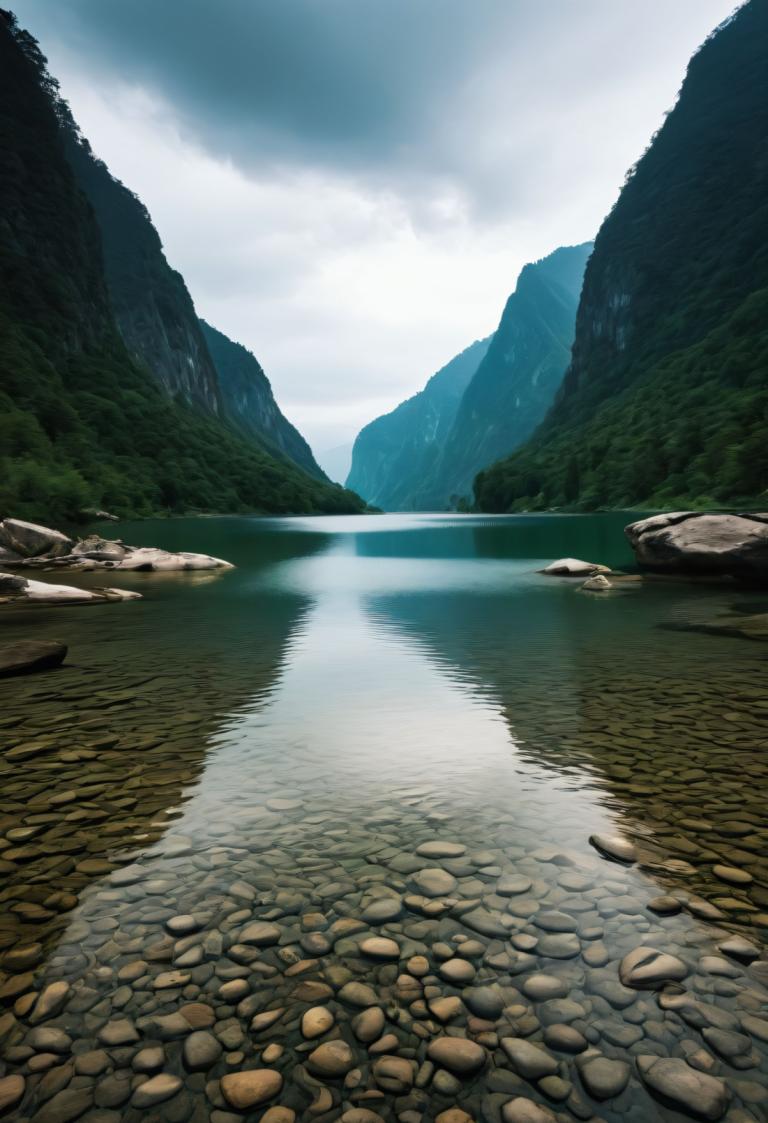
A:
553, 921
603, 1077
394, 1074
50, 1001
484, 1002
564, 1038
380, 947
558, 945
244, 1090
739, 948
358, 994
156, 1090
457, 1054
434, 882
331, 1059
523, 1110
120, 1032
49, 1039
201, 1051
527, 1059
28, 656
446, 1008
703, 1096
11, 1090
438, 849
615, 847
64, 1106
383, 911
457, 971
316, 1021
646, 968
368, 1025
665, 905
279, 1114
260, 934
540, 987
512, 884
182, 925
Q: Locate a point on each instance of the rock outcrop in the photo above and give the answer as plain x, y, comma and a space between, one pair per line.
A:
20, 590
689, 542
28, 540
27, 656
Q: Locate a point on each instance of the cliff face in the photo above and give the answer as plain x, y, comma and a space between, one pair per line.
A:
248, 402
666, 398
82, 423
515, 383
153, 309
393, 453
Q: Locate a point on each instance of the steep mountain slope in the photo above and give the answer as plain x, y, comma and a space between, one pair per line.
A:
81, 423
151, 304
247, 400
517, 380
392, 454
666, 399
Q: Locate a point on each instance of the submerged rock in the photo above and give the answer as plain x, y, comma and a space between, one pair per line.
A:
574, 567
703, 1096
597, 584
28, 656
690, 542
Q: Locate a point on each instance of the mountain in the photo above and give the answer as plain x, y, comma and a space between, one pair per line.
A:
336, 462
83, 422
392, 454
152, 307
247, 401
518, 378
665, 402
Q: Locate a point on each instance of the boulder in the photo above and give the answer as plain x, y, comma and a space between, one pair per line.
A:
28, 656
156, 561
690, 542
685, 1088
31, 540
597, 584
574, 567
20, 590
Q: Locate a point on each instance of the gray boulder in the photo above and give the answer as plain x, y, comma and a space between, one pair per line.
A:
689, 542
30, 540
27, 656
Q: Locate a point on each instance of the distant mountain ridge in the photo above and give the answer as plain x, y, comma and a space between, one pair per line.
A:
425, 454
97, 407
392, 454
248, 402
665, 402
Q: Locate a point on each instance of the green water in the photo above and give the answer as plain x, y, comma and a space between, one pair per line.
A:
275, 743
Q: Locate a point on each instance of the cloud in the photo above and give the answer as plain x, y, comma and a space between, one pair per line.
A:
350, 187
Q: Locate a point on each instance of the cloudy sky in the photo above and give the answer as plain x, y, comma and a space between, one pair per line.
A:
350, 187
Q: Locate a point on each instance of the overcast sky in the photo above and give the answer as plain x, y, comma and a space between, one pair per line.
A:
350, 187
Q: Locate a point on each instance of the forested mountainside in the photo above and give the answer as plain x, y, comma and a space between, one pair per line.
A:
665, 402
516, 381
82, 422
393, 453
247, 400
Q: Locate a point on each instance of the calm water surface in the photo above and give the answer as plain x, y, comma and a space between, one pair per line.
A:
384, 728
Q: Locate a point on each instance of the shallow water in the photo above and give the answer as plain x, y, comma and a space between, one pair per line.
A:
275, 744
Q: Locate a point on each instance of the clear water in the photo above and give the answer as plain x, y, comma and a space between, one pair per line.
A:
389, 681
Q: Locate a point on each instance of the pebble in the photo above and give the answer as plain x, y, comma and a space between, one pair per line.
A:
438, 849
523, 1110
11, 1091
457, 1054
647, 968
331, 1059
201, 1051
614, 847
316, 1021
368, 1025
156, 1090
434, 882
380, 947
261, 935
244, 1090
457, 971
702, 1095
603, 1077
529, 1060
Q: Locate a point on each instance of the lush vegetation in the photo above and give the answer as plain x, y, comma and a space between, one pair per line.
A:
81, 422
666, 399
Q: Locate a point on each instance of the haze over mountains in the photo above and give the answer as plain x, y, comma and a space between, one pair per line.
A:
110, 394
484, 403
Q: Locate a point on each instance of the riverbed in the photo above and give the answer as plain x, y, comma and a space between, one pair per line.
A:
325, 819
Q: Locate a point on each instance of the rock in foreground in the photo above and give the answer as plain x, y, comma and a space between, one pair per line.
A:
574, 567
697, 1093
27, 656
26, 544
19, 590
689, 542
